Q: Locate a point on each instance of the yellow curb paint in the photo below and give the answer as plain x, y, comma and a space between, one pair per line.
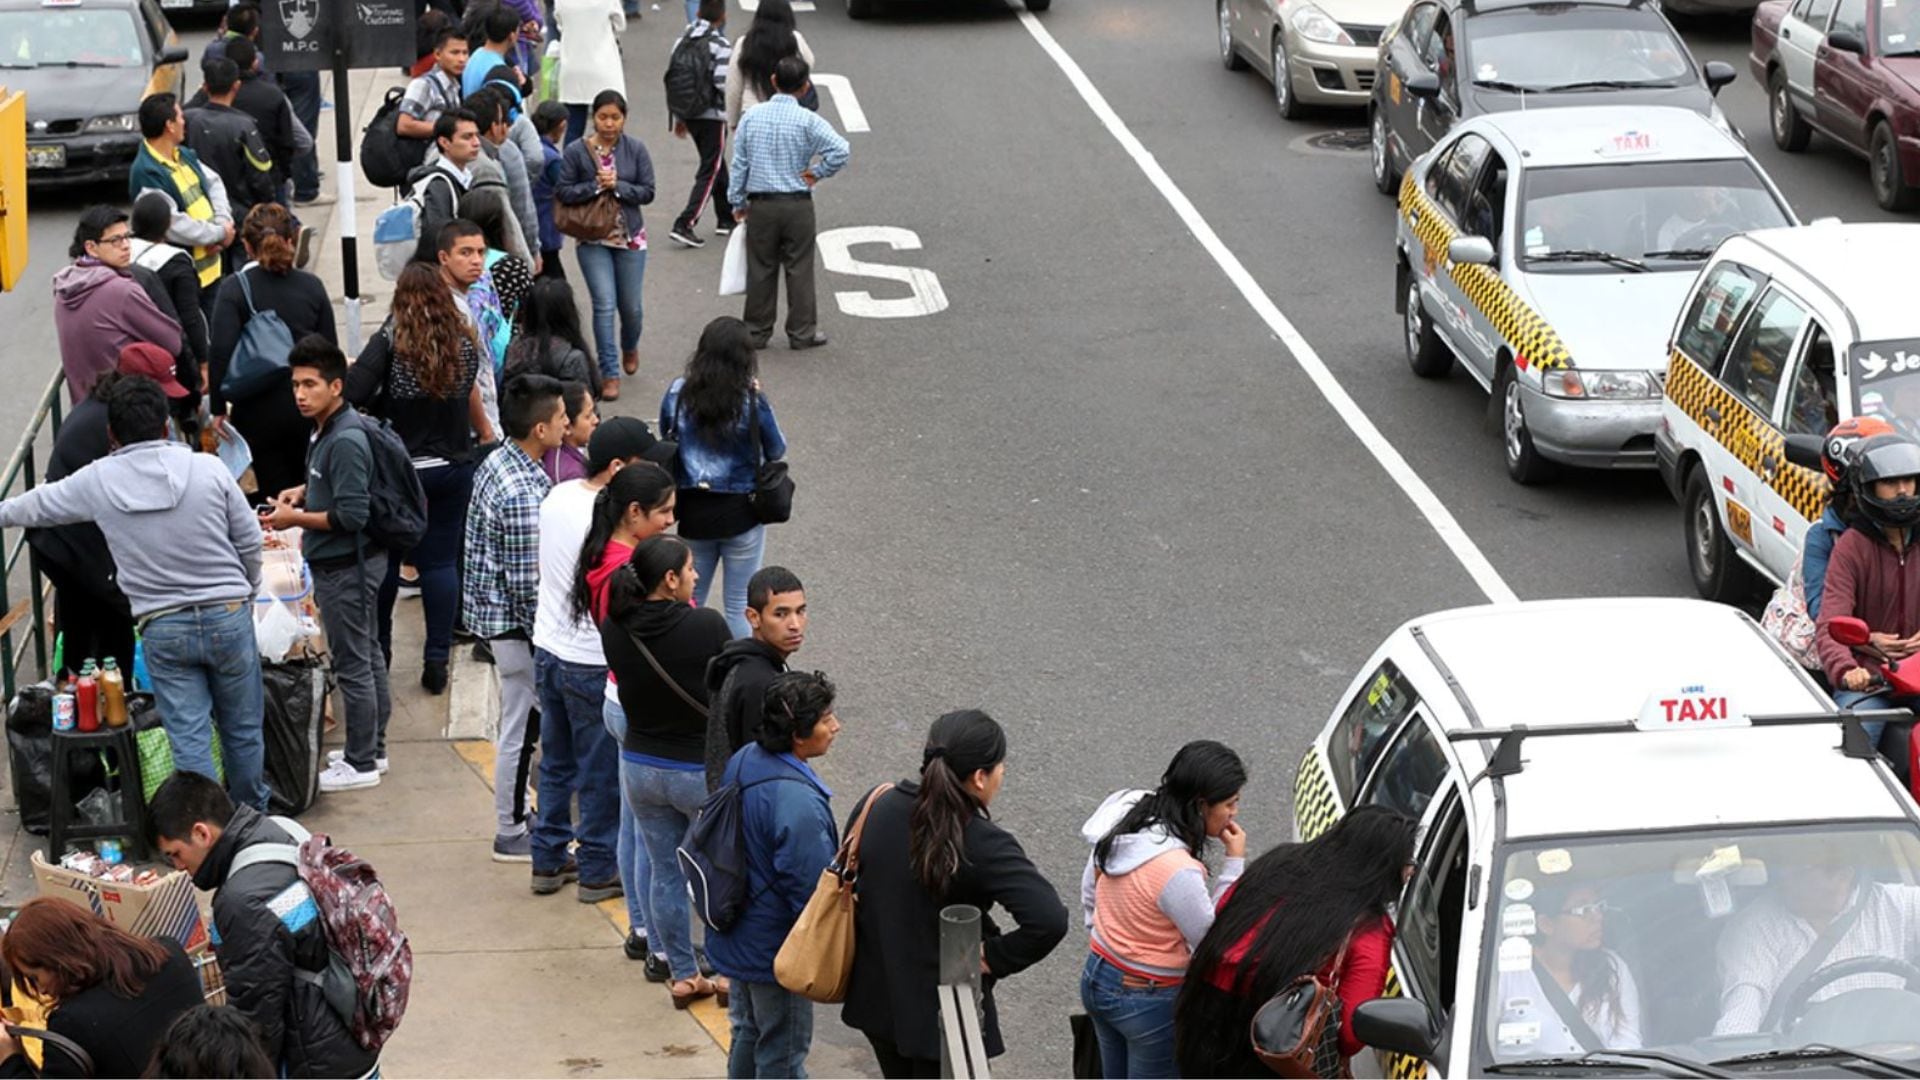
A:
479, 754
714, 1019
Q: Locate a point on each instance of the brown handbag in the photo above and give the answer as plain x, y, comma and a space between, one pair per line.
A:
1297, 1032
593, 221
816, 960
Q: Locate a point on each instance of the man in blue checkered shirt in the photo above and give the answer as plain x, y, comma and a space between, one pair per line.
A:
781, 150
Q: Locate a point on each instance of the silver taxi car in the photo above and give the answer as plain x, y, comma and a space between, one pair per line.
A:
1549, 251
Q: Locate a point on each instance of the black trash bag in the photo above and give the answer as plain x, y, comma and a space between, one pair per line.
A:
296, 709
30, 754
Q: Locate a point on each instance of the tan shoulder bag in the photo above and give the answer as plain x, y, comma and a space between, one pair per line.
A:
816, 961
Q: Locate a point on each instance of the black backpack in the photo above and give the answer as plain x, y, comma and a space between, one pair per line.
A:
387, 156
689, 77
396, 503
713, 856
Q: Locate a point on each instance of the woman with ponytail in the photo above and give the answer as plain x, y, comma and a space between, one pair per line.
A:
267, 417
930, 843
1147, 904
657, 645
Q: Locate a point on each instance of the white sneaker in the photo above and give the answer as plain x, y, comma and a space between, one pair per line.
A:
380, 764
341, 776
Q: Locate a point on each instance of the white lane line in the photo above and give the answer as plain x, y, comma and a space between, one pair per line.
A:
840, 88
1429, 504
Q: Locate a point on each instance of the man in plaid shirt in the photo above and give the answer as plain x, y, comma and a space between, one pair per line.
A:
500, 585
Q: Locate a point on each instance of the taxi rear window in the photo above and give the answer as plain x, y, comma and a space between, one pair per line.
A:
69, 37
1382, 703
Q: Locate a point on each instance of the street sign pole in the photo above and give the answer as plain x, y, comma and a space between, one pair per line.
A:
346, 208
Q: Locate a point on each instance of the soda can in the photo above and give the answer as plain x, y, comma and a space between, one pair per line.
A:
109, 850
66, 712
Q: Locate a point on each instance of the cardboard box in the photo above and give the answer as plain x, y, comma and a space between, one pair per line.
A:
169, 907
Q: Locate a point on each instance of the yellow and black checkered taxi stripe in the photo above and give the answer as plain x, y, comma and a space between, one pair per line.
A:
1533, 342
1400, 1066
1313, 805
1746, 434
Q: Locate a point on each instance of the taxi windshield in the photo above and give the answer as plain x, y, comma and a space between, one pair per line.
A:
1666, 215
69, 37
1900, 28
1558, 49
1707, 945
1886, 382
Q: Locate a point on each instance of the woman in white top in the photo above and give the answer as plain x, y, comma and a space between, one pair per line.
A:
768, 41
1572, 971
589, 56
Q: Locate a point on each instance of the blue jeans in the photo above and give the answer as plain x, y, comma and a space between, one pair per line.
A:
693, 11
205, 669
772, 1031
1862, 701
576, 757
636, 874
742, 555
449, 489
663, 802
1134, 1024
614, 278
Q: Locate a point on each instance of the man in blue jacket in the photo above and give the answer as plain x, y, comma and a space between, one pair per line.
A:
789, 836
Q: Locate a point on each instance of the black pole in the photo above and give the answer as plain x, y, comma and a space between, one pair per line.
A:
347, 202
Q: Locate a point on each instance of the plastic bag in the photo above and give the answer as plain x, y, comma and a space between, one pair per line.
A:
96, 808
30, 754
295, 694
549, 78
275, 629
733, 268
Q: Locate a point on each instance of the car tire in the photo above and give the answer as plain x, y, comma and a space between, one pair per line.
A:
1790, 129
1385, 178
1525, 464
1427, 355
1284, 98
1230, 57
1719, 573
1890, 188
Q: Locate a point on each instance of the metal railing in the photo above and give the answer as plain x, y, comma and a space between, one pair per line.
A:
22, 474
963, 1051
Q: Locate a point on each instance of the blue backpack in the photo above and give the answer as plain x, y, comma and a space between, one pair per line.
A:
260, 355
713, 856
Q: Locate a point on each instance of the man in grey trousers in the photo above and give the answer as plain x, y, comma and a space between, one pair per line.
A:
332, 510
780, 151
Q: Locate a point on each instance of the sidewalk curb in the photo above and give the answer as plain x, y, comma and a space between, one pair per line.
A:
473, 697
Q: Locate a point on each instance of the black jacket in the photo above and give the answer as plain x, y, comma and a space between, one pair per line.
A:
682, 639
737, 682
118, 1033
896, 959
259, 950
229, 142
175, 290
263, 100
79, 551
302, 302
383, 385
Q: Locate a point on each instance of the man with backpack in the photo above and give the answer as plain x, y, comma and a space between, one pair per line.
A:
332, 510
435, 92
437, 186
269, 928
696, 81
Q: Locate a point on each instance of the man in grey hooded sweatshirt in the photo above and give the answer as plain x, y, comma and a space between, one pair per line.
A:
188, 552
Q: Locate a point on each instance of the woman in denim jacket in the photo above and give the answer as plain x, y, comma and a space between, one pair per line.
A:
708, 410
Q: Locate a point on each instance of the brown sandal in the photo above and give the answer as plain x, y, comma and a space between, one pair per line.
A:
702, 987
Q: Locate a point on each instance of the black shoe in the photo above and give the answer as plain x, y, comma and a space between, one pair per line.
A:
636, 946
724, 225
686, 237
433, 677
548, 882
706, 965
818, 339
656, 969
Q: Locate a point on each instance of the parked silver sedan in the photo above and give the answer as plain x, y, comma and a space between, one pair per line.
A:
1316, 52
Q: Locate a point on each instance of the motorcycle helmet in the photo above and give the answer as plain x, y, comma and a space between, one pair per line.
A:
1886, 457
1836, 452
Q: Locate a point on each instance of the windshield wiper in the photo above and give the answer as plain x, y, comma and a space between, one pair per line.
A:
78, 64
1821, 1052
1678, 253
1646, 1060
1572, 255
1511, 88
1611, 84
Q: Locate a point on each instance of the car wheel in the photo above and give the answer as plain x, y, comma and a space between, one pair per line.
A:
1384, 177
1427, 355
1524, 462
1230, 57
1883, 161
862, 9
1283, 96
1719, 574
1790, 129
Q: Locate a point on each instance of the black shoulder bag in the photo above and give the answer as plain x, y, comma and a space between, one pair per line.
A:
772, 497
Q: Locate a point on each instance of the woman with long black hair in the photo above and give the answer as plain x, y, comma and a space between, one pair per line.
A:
550, 341
771, 39
1297, 909
930, 843
1147, 902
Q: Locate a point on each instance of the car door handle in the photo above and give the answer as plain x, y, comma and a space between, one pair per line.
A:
1712, 413
1786, 33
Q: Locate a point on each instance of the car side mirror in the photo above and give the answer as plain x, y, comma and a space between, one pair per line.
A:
1804, 451
1719, 73
1476, 250
173, 54
1846, 41
1398, 1025
1423, 84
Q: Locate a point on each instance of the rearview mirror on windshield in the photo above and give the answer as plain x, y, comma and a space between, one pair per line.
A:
1804, 451
1397, 1025
1849, 631
1475, 250
1423, 84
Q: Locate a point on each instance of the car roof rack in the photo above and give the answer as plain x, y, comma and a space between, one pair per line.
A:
1506, 760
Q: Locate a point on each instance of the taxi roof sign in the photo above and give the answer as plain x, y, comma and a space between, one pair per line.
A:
1690, 708
1628, 143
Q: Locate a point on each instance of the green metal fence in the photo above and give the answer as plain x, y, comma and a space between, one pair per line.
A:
23, 627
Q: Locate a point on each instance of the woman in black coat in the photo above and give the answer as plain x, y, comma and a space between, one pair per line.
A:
267, 417
929, 844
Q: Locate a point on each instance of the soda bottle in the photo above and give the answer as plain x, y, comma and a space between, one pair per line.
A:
87, 700
113, 694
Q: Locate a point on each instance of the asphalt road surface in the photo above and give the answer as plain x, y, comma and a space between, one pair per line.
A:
1095, 493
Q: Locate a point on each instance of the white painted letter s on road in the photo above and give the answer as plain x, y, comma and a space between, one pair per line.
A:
836, 252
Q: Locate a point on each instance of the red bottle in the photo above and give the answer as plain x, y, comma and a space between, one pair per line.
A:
87, 700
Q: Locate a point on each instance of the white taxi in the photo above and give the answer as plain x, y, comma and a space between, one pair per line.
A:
1549, 249
1657, 811
1787, 332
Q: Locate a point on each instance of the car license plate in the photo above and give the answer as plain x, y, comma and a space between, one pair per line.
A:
1740, 522
46, 157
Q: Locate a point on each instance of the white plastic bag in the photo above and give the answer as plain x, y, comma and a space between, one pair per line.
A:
275, 630
733, 268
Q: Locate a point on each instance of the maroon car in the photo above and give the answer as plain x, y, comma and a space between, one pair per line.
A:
1849, 69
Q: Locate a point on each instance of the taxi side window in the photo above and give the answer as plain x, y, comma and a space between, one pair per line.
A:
1431, 914
1451, 181
1761, 353
157, 28
1409, 772
1715, 313
1813, 12
1812, 405
1850, 15
1384, 701
1487, 206
1419, 27
1438, 51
